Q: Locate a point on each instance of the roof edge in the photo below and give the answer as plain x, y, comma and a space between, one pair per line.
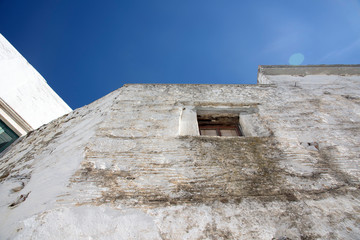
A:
303, 70
336, 69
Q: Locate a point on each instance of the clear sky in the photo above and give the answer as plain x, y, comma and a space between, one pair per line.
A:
86, 49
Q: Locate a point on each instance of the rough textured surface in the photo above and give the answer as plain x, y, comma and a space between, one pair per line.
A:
119, 169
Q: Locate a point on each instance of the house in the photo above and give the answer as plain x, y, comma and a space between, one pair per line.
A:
26, 100
275, 160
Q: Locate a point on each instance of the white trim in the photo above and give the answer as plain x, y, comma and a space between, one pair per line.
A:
13, 120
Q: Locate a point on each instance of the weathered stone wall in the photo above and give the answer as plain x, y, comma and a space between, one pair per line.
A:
124, 171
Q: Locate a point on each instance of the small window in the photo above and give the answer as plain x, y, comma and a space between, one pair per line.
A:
219, 125
7, 136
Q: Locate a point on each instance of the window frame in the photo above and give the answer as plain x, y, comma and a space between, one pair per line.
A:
8, 131
249, 120
218, 121
219, 127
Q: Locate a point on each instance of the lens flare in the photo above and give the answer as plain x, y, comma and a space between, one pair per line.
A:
296, 59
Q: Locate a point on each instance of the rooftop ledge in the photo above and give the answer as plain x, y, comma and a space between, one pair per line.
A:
338, 69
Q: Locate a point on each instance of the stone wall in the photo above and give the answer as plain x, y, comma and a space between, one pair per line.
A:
121, 169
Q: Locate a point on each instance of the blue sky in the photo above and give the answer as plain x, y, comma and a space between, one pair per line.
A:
86, 49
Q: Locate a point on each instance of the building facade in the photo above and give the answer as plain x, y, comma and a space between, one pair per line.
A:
26, 100
276, 160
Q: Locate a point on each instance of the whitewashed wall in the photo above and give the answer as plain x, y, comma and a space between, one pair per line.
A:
25, 90
123, 168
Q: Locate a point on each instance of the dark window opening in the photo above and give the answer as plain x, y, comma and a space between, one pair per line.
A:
7, 136
219, 125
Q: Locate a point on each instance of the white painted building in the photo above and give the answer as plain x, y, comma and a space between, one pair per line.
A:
26, 100
276, 160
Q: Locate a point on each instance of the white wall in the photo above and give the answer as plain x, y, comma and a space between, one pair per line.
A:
119, 169
25, 90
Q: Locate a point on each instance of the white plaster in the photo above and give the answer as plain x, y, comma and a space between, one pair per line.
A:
188, 122
252, 126
89, 222
118, 168
262, 79
25, 90
46, 177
